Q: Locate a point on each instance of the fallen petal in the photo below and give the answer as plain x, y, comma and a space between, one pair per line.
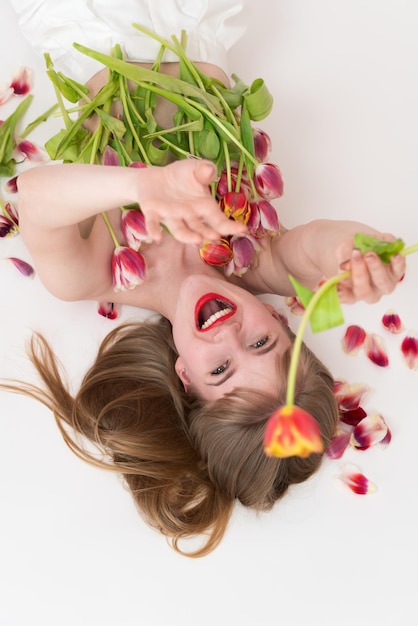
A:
409, 348
353, 417
386, 440
353, 340
338, 445
348, 396
356, 481
21, 81
375, 350
108, 309
369, 431
23, 267
392, 322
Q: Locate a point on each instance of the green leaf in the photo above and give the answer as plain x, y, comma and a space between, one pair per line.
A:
327, 313
385, 250
140, 75
113, 124
259, 101
7, 130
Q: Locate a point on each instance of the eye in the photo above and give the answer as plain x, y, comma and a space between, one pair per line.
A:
260, 343
219, 370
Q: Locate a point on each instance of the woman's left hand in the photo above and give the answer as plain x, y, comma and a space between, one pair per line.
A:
370, 278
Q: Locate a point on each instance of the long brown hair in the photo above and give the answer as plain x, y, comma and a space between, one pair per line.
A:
186, 462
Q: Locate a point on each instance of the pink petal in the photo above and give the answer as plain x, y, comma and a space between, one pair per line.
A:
11, 185
386, 439
262, 144
10, 211
369, 431
409, 348
348, 396
375, 350
392, 322
31, 151
353, 340
23, 267
110, 156
243, 249
137, 164
21, 81
269, 220
356, 481
352, 418
108, 309
268, 181
338, 445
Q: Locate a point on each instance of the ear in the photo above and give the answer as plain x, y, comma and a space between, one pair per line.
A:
182, 374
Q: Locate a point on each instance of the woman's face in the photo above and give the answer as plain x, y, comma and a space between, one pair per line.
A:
225, 338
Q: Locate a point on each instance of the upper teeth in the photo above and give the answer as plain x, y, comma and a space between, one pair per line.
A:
214, 317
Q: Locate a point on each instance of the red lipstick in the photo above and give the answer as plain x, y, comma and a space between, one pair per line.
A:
210, 304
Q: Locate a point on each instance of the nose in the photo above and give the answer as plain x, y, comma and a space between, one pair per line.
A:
227, 330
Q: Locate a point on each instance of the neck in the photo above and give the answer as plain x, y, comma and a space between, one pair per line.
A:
169, 264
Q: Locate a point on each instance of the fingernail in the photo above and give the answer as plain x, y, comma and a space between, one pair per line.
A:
345, 265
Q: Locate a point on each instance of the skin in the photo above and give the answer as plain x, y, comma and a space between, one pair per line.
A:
73, 266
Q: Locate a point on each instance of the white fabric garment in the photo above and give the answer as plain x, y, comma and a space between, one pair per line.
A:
53, 25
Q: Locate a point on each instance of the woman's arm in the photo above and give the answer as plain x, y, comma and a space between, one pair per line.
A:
323, 248
55, 199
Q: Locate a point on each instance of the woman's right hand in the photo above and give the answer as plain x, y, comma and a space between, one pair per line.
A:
178, 196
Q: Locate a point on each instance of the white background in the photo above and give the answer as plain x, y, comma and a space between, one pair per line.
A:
73, 550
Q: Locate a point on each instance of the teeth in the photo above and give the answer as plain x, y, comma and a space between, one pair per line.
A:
215, 317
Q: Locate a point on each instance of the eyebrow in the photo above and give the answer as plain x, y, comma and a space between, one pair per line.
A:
259, 352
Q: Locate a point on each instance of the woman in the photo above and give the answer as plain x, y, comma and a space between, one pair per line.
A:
179, 405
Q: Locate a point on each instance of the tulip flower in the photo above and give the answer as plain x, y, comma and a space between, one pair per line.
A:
262, 145
229, 183
134, 228
128, 268
235, 206
243, 249
291, 431
218, 253
108, 309
353, 340
9, 220
110, 156
409, 349
268, 181
356, 481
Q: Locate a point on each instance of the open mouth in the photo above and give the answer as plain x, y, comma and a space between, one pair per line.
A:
212, 309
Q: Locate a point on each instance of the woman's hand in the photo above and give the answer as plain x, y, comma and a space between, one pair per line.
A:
370, 278
178, 196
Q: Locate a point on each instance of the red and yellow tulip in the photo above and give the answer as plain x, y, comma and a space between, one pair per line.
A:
291, 431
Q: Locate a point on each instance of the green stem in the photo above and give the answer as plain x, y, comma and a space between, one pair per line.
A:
297, 345
410, 249
110, 229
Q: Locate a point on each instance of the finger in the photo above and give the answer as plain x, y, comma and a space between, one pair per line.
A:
153, 228
362, 286
205, 172
398, 264
381, 274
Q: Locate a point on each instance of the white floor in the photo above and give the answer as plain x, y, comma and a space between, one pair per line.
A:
72, 547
